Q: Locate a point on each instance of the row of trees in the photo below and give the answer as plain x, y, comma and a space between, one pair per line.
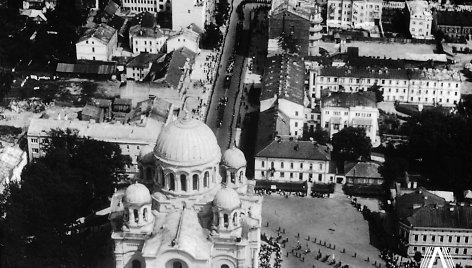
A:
74, 180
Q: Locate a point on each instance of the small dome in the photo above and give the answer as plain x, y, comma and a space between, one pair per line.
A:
227, 199
234, 158
187, 142
146, 154
137, 194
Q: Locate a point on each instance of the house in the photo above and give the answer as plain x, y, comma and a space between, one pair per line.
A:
35, 15
341, 110
186, 12
426, 220
91, 112
454, 24
283, 87
363, 173
420, 19
152, 6
97, 43
146, 39
139, 67
186, 37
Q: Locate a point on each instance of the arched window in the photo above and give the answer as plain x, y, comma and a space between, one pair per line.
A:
233, 177
195, 182
161, 179
177, 264
235, 217
136, 215
214, 175
223, 179
136, 264
171, 182
241, 176
224, 266
226, 220
183, 183
149, 173
145, 214
206, 178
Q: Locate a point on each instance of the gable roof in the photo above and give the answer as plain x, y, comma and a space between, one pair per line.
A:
363, 170
284, 77
141, 31
188, 33
290, 149
102, 32
457, 217
346, 100
92, 111
408, 203
143, 60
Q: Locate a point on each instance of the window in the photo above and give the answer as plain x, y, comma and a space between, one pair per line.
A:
262, 174
450, 239
291, 174
183, 183
272, 164
195, 182
93, 49
467, 239
296, 113
34, 140
416, 237
35, 150
224, 266
262, 163
296, 125
458, 239
291, 165
206, 179
136, 215
282, 174
433, 238
171, 182
321, 166
281, 164
301, 165
441, 238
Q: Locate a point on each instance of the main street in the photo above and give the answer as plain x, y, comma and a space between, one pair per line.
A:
223, 132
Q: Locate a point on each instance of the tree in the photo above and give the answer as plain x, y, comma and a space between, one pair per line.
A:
319, 135
74, 179
212, 36
378, 93
350, 144
288, 43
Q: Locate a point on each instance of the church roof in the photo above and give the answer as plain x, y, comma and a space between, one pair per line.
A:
179, 231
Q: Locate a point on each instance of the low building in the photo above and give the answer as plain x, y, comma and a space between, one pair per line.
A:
341, 110
420, 19
153, 6
146, 39
138, 67
97, 43
186, 37
363, 173
454, 24
425, 220
130, 137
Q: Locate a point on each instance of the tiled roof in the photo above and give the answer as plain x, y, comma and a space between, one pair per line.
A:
291, 149
408, 203
457, 217
143, 59
266, 128
284, 77
362, 170
344, 99
140, 31
102, 32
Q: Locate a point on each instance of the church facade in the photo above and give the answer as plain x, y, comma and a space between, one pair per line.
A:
192, 207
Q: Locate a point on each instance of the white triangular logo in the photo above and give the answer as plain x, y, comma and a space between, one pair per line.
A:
432, 253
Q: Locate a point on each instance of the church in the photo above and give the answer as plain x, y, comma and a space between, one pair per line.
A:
192, 207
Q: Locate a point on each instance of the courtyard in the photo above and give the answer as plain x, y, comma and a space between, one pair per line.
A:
339, 229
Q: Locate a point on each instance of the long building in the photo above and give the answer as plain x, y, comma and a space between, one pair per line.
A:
429, 86
363, 14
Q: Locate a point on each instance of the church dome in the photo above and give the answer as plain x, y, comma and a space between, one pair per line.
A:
187, 142
137, 194
234, 158
146, 154
227, 199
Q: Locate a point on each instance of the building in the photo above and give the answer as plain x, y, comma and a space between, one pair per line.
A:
315, 31
360, 14
426, 220
454, 24
398, 5
138, 67
187, 38
130, 138
341, 110
97, 43
152, 6
185, 13
363, 173
146, 39
283, 87
426, 86
194, 216
420, 19
300, 19
12, 162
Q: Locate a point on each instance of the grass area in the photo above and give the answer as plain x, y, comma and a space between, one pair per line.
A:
332, 220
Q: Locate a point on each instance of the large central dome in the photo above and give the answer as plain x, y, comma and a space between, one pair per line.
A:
187, 142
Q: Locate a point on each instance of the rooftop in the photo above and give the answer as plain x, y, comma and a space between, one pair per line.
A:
367, 72
284, 77
143, 60
407, 204
454, 18
457, 217
111, 8
419, 8
297, 7
102, 32
292, 149
141, 31
188, 32
87, 67
344, 99
362, 170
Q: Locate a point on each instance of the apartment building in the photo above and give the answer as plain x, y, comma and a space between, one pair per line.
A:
454, 24
427, 86
146, 39
341, 110
420, 19
138, 68
185, 37
361, 14
153, 6
97, 43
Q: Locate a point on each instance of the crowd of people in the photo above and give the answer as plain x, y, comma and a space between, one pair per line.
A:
270, 247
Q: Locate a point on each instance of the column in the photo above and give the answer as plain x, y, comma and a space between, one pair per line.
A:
131, 216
